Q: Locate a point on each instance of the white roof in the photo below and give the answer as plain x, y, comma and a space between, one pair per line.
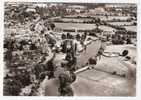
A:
30, 9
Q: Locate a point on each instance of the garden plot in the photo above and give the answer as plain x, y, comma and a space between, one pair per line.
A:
75, 20
121, 23
118, 17
131, 28
77, 26
108, 29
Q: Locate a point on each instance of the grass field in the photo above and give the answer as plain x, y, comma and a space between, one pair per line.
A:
75, 26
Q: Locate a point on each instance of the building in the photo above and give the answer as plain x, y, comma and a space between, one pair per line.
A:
77, 8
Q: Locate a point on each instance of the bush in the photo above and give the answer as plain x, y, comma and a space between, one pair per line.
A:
12, 87
125, 52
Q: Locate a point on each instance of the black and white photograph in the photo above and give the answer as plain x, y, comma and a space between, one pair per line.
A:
69, 49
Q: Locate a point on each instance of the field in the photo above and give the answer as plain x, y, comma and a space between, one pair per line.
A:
78, 26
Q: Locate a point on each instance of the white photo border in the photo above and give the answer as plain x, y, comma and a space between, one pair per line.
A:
138, 85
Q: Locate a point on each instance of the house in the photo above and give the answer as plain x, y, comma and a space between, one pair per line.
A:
77, 8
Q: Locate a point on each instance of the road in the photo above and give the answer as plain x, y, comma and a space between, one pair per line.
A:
91, 51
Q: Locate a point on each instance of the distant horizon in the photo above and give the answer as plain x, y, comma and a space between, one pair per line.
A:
75, 1
70, 3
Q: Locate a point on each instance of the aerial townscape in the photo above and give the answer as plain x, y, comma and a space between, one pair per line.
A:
69, 49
